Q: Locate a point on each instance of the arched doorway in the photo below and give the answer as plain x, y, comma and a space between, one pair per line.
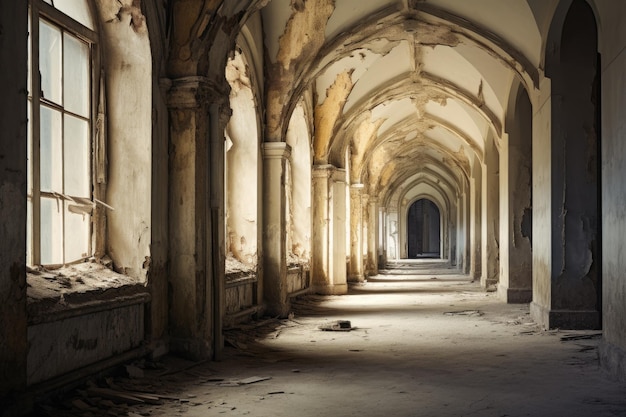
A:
423, 230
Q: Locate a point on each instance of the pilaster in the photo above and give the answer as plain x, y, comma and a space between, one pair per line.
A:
372, 237
356, 272
191, 326
328, 268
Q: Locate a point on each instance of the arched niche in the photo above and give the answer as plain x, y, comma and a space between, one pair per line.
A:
515, 284
572, 290
127, 125
299, 187
241, 168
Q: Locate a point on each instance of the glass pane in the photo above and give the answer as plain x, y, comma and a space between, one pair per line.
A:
77, 157
51, 157
29, 232
77, 10
50, 61
76, 75
51, 231
76, 235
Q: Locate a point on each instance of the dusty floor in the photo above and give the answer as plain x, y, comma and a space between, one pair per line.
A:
423, 345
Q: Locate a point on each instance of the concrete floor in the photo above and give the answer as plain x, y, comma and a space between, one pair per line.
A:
424, 345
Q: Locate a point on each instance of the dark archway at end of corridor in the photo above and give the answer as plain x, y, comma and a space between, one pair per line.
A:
423, 230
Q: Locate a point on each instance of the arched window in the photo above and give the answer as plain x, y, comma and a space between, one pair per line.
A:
61, 169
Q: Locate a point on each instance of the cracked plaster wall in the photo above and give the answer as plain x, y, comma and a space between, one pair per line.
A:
242, 167
299, 139
327, 114
301, 40
128, 68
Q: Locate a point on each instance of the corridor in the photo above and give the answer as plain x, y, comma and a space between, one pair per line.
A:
189, 189
425, 341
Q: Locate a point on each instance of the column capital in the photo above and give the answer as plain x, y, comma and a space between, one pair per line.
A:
193, 92
330, 172
276, 150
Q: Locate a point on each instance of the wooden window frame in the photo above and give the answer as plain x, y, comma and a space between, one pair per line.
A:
38, 11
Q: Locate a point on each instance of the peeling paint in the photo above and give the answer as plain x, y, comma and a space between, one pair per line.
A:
327, 114
301, 40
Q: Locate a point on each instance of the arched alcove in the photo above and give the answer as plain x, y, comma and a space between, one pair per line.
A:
241, 169
515, 284
299, 188
423, 230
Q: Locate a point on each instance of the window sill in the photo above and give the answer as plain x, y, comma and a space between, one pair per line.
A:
79, 289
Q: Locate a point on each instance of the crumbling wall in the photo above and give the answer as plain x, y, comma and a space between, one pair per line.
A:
302, 38
128, 68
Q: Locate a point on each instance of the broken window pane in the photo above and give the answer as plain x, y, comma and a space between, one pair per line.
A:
51, 231
50, 61
75, 75
77, 157
77, 10
76, 235
51, 168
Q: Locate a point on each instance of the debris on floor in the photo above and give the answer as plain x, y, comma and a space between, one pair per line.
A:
471, 313
587, 336
246, 381
337, 326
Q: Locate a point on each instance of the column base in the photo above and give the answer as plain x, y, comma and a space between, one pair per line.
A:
565, 319
514, 295
193, 349
613, 360
330, 289
356, 278
488, 284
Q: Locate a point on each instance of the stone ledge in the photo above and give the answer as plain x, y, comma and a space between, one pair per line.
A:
79, 289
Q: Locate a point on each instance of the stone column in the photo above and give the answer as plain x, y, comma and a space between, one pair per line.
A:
328, 244
515, 284
190, 280
356, 273
450, 233
490, 217
475, 221
382, 252
365, 219
275, 156
13, 176
372, 237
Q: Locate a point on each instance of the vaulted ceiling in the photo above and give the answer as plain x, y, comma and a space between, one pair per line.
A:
408, 89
